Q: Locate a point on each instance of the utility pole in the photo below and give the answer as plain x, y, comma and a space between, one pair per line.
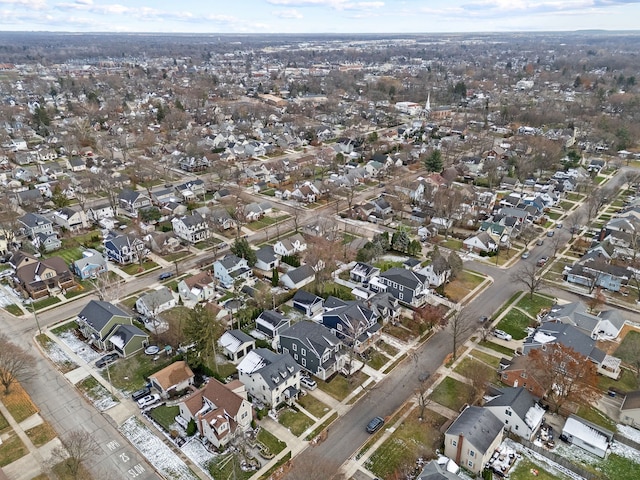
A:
35, 316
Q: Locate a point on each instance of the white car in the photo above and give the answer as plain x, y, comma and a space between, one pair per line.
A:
148, 400
502, 335
308, 383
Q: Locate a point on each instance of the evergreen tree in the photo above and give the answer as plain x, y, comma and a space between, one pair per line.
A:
433, 163
242, 249
275, 277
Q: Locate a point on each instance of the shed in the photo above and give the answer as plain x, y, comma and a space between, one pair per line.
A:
588, 436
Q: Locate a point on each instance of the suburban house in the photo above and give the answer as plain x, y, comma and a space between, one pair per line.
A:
271, 323
314, 347
154, 302
593, 273
236, 344
90, 265
437, 272
172, 379
46, 241
407, 286
266, 259
290, 246
353, 322
308, 303
481, 242
197, 288
549, 333
605, 326
298, 277
124, 248
270, 378
588, 436
40, 278
473, 437
441, 469
192, 228
518, 410
219, 411
70, 219
35, 223
191, 190
231, 268
131, 201
128, 339
363, 272
520, 373
100, 211
385, 306
98, 320
630, 409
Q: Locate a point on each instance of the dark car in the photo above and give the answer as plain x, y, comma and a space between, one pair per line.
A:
483, 318
106, 360
138, 394
542, 261
375, 424
550, 233
165, 275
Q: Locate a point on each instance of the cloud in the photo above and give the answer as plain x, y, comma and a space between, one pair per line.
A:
334, 4
84, 2
29, 4
289, 13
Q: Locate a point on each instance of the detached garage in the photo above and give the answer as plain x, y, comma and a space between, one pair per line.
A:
588, 436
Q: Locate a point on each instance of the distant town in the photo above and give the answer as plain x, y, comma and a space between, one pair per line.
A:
322, 257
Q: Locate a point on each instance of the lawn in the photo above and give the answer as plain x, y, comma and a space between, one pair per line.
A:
630, 345
269, 440
314, 406
514, 323
136, 268
507, 304
385, 265
462, 285
399, 332
13, 309
451, 393
69, 255
99, 396
533, 306
616, 467
4, 425
44, 303
413, 439
11, 450
66, 327
387, 348
165, 415
452, 244
498, 348
18, 403
41, 434
375, 359
468, 365
129, 374
566, 205
265, 222
599, 180
224, 466
296, 422
486, 358
628, 382
522, 471
340, 387
594, 415
554, 215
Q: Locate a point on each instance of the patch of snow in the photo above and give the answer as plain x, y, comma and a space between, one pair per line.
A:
549, 465
58, 356
100, 397
80, 348
198, 454
155, 451
629, 432
625, 451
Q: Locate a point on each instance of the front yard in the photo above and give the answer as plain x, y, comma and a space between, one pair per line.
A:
459, 288
340, 387
296, 421
451, 393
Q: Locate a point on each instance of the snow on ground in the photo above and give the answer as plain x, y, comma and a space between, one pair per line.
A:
100, 397
625, 451
58, 356
548, 464
198, 454
155, 451
629, 432
80, 348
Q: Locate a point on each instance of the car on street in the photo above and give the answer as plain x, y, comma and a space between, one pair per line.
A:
558, 225
525, 254
483, 319
138, 394
375, 424
539, 242
502, 335
542, 261
308, 383
106, 360
165, 275
550, 233
148, 400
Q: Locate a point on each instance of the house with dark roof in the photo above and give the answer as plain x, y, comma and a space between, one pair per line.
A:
197, 288
290, 245
47, 242
98, 321
271, 323
172, 379
231, 268
363, 272
193, 228
353, 322
191, 190
308, 303
270, 378
127, 340
406, 285
266, 259
473, 437
41, 277
606, 325
219, 410
441, 469
314, 347
481, 242
236, 344
298, 277
518, 410
124, 248
151, 303
131, 201
597, 272
437, 272
90, 265
35, 223
630, 409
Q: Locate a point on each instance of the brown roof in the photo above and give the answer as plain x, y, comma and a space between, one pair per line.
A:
173, 374
631, 401
201, 279
217, 393
30, 271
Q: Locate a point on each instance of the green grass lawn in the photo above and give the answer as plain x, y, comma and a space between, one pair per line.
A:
14, 309
340, 387
136, 268
498, 348
628, 347
375, 359
270, 441
514, 323
44, 303
575, 197
314, 406
594, 415
554, 215
165, 415
399, 332
385, 265
490, 360
296, 422
627, 382
522, 471
566, 205
507, 304
616, 467
414, 438
599, 180
11, 450
69, 255
4, 425
452, 393
452, 243
468, 366
266, 221
387, 348
129, 374
223, 467
41, 434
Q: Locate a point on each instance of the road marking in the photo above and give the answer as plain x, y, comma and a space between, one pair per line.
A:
136, 470
124, 457
113, 445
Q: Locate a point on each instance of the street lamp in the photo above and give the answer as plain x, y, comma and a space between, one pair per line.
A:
35, 315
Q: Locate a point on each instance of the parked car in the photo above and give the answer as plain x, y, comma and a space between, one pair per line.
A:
550, 233
542, 261
375, 424
148, 400
525, 254
539, 242
138, 394
165, 275
502, 335
308, 383
106, 360
558, 225
483, 319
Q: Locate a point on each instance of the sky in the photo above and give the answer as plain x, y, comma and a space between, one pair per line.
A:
317, 16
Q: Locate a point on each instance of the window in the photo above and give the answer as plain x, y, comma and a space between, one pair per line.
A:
285, 350
523, 374
401, 288
244, 415
505, 376
472, 453
295, 356
303, 352
470, 463
454, 443
507, 412
516, 427
294, 347
304, 362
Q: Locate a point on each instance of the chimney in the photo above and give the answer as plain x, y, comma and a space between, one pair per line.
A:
459, 451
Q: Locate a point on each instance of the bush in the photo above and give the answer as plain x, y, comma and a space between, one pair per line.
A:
191, 428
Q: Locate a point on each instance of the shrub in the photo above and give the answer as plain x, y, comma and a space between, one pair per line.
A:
191, 428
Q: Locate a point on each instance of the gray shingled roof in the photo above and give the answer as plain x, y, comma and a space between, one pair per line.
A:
315, 336
301, 273
478, 425
405, 277
518, 398
98, 313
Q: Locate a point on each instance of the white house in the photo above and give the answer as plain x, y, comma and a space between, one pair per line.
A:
518, 410
290, 246
152, 303
197, 288
298, 277
192, 228
70, 219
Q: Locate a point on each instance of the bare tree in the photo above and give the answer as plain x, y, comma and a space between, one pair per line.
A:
16, 364
459, 324
422, 393
108, 286
529, 276
574, 223
78, 446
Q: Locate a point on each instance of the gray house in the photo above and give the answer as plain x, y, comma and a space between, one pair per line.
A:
314, 347
236, 344
35, 223
272, 323
406, 285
